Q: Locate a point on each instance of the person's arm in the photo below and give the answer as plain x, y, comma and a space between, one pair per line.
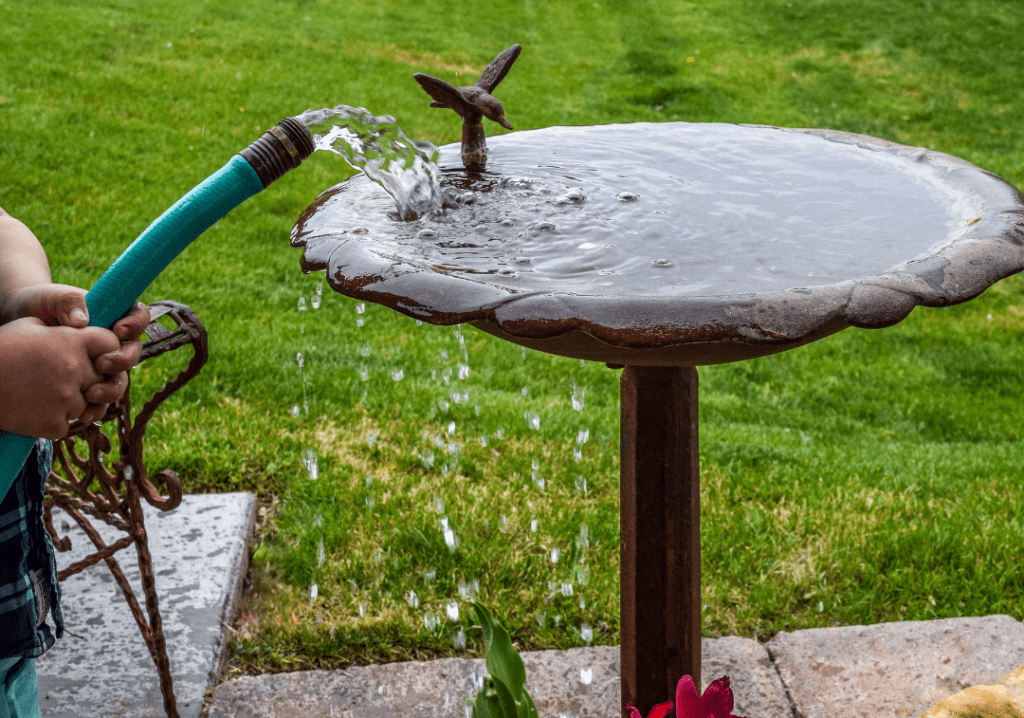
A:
53, 367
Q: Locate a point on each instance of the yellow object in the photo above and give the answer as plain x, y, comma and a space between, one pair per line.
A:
1003, 700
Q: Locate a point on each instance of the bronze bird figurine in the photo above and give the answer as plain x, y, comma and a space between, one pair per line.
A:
473, 103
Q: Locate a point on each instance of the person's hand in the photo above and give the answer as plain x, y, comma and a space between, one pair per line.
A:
64, 305
44, 372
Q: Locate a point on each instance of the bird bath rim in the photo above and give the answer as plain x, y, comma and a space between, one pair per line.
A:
694, 330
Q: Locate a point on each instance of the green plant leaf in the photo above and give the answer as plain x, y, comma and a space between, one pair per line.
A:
527, 708
505, 700
486, 706
503, 662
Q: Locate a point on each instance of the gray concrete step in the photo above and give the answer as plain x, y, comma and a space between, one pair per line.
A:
889, 669
200, 555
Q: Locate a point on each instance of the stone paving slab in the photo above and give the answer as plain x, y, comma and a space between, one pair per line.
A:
580, 682
893, 669
200, 556
896, 670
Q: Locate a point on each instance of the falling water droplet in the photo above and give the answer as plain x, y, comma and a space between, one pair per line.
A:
438, 505
313, 593
413, 600
500, 433
542, 618
430, 621
429, 575
533, 525
371, 438
302, 304
583, 540
451, 428
577, 397
533, 419
360, 308
321, 553
295, 411
582, 436
397, 374
577, 454
300, 360
450, 539
427, 458
463, 371
555, 553
364, 374
315, 301
459, 640
310, 462
371, 502
586, 676
483, 440
452, 609
566, 589
583, 574
503, 523
581, 483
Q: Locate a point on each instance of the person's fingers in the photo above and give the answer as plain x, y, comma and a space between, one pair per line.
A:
63, 305
93, 413
131, 325
126, 357
99, 341
107, 391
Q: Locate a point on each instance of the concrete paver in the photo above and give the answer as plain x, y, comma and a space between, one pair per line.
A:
200, 555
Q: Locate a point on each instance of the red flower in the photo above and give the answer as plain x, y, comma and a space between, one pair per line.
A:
715, 703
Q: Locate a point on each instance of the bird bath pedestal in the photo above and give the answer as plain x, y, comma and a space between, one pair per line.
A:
659, 248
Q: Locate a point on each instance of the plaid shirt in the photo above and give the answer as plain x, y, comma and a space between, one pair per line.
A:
28, 574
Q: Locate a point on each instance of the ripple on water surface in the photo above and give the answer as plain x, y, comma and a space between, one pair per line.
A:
650, 209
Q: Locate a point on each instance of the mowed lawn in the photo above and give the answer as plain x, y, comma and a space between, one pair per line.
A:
873, 476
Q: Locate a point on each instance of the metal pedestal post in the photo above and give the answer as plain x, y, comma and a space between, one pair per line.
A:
660, 543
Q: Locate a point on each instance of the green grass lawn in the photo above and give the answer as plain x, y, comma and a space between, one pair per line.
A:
869, 477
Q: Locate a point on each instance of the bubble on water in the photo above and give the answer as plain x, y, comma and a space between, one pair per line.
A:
299, 359
522, 260
566, 589
413, 600
582, 435
503, 523
309, 460
365, 350
578, 393
586, 676
583, 574
542, 618
463, 371
302, 304
555, 553
430, 621
295, 411
662, 262
544, 226
315, 301
397, 374
571, 196
426, 234
360, 308
533, 419
452, 609
508, 273
459, 641
364, 373
586, 245
581, 483
627, 196
313, 593
371, 438
321, 553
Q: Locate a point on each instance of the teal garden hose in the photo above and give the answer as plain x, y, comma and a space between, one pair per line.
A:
282, 148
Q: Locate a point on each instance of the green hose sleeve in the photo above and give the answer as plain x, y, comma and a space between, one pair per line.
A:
122, 285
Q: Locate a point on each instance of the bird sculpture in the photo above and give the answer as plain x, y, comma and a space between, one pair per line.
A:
473, 103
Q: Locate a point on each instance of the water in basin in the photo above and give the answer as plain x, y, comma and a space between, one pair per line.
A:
651, 210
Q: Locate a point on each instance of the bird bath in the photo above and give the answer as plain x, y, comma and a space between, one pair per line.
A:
660, 248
